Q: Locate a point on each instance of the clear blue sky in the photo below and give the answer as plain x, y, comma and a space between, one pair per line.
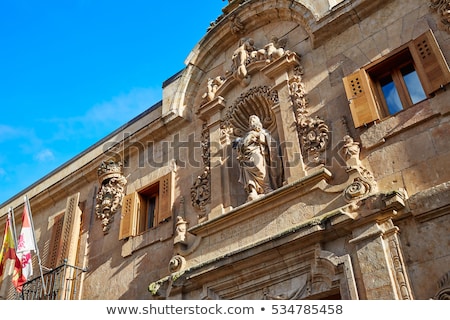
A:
73, 71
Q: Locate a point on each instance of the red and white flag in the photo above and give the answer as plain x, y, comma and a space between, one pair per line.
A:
26, 244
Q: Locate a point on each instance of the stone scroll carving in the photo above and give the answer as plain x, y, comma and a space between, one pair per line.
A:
111, 192
442, 7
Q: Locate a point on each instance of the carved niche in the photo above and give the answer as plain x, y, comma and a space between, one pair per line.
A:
111, 192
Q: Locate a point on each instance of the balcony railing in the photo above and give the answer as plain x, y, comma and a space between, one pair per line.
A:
61, 283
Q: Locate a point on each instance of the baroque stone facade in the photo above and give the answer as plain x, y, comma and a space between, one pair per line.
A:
329, 194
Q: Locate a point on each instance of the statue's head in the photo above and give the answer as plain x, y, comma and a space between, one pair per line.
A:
254, 123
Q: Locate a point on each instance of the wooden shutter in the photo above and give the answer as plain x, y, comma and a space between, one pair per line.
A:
430, 63
51, 256
165, 197
362, 102
129, 215
70, 231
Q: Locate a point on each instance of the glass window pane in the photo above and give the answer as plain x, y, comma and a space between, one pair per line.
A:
151, 211
391, 95
413, 84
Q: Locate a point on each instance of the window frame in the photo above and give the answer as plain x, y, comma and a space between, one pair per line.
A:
392, 66
363, 90
133, 217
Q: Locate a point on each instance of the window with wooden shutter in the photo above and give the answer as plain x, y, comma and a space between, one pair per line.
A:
52, 257
165, 198
130, 206
397, 81
362, 102
147, 208
430, 63
65, 234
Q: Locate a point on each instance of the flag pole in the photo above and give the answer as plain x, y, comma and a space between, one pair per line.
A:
30, 216
13, 225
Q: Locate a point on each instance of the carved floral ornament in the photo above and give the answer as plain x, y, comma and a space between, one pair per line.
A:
313, 132
201, 188
442, 7
111, 192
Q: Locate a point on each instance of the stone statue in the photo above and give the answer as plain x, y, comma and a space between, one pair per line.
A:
240, 59
212, 86
259, 161
181, 230
351, 150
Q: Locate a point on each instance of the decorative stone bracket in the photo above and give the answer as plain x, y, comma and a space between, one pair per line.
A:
109, 197
442, 7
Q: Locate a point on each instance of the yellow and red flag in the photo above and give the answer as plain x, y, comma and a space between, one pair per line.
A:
8, 251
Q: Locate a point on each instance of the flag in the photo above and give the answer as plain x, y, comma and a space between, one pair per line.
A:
9, 252
26, 244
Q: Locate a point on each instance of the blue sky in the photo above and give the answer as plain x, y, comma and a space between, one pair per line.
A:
73, 71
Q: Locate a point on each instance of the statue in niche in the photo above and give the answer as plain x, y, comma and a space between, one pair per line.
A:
259, 161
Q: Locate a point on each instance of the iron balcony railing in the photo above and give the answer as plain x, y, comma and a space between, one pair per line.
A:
61, 283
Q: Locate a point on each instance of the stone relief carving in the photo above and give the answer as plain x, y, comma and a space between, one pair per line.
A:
109, 197
363, 180
212, 86
314, 133
242, 57
257, 100
201, 188
271, 51
295, 294
444, 288
400, 276
259, 161
236, 27
442, 7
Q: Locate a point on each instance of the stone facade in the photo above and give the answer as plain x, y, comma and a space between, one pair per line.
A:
361, 209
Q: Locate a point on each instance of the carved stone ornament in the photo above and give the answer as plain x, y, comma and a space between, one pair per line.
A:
314, 133
442, 7
236, 25
257, 100
201, 188
109, 197
444, 288
245, 55
363, 180
200, 192
176, 264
